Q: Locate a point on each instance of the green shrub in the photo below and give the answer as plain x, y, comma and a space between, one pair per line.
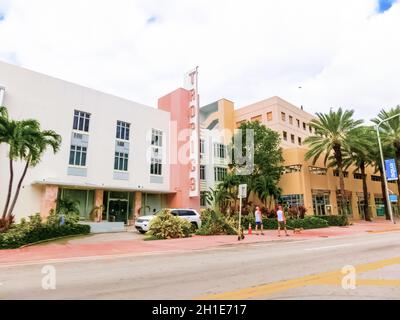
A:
307, 223
167, 226
215, 223
336, 221
35, 230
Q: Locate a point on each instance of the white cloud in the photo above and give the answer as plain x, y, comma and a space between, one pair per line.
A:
341, 52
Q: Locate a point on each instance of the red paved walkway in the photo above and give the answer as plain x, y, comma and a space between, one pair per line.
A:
112, 247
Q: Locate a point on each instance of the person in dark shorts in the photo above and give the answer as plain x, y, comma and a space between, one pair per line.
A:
281, 221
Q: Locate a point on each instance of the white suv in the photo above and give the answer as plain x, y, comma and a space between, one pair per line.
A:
142, 223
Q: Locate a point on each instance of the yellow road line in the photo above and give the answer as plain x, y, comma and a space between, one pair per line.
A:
325, 278
383, 231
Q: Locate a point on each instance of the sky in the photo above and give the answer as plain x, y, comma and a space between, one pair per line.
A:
319, 54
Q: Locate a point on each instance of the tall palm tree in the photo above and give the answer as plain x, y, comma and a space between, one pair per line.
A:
357, 154
332, 136
390, 132
17, 135
31, 150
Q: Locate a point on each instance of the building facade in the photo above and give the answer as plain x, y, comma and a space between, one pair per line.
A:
303, 183
133, 159
114, 152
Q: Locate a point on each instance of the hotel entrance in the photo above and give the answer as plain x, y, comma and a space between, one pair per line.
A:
117, 206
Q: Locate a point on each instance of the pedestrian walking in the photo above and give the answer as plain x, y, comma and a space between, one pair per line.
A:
258, 216
281, 221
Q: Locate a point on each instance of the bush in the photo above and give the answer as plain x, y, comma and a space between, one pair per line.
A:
215, 223
167, 226
35, 230
336, 221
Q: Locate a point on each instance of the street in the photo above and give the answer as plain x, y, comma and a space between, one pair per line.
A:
303, 269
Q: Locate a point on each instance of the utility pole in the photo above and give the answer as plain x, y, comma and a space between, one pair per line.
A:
388, 202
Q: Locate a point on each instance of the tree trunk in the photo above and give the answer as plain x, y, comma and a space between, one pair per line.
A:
367, 212
339, 161
384, 193
18, 189
10, 185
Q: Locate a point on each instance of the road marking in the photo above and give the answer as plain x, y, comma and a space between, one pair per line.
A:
325, 278
328, 247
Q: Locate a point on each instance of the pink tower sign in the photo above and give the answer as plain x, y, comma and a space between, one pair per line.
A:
191, 84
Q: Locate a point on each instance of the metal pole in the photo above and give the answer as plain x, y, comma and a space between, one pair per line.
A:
240, 219
389, 204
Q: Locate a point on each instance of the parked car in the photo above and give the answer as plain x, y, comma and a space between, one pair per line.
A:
142, 223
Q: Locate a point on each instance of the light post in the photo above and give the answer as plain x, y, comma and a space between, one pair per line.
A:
388, 202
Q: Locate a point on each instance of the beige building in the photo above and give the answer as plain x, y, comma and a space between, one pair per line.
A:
303, 183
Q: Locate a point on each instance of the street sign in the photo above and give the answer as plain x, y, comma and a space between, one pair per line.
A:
393, 198
242, 191
391, 170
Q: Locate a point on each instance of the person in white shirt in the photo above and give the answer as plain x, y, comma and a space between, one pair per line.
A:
258, 216
281, 221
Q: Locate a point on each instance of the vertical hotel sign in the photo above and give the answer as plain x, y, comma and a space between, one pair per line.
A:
191, 84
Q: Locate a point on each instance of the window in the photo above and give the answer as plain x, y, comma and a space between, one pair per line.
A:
81, 121
318, 171
121, 161
203, 173
292, 138
376, 178
292, 169
336, 173
257, 118
310, 128
202, 146
269, 116
156, 138
156, 167
219, 151
298, 123
283, 116
294, 200
77, 156
123, 129
285, 135
299, 141
304, 126
220, 173
291, 120
358, 176
156, 152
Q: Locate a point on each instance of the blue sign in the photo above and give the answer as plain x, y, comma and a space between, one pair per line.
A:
391, 170
393, 198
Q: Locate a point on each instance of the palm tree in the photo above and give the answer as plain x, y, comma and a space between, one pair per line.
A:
31, 149
266, 189
332, 136
357, 154
390, 132
16, 134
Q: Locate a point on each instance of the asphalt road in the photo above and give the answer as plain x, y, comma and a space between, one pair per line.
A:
286, 270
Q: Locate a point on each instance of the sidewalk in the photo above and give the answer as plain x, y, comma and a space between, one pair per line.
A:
133, 244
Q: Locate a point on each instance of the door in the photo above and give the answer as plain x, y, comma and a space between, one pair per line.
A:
118, 211
319, 203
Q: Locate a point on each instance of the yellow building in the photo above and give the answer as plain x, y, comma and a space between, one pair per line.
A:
303, 183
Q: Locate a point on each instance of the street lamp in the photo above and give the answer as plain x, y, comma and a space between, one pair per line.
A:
389, 204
